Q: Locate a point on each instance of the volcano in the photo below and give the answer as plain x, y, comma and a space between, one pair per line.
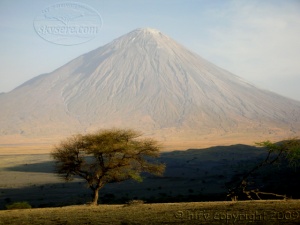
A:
147, 81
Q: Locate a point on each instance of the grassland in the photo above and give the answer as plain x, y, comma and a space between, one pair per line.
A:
192, 175
244, 212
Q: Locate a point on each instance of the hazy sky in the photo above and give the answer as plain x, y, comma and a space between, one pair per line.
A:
256, 40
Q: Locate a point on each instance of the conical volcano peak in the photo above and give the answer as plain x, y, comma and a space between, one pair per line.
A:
147, 30
147, 81
141, 36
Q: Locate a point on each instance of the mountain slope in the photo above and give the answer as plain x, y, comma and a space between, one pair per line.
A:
145, 80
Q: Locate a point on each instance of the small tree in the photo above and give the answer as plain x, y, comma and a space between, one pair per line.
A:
286, 150
107, 156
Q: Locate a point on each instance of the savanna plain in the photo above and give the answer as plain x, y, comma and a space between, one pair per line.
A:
192, 190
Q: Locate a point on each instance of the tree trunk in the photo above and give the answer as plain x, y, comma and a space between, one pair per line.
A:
95, 196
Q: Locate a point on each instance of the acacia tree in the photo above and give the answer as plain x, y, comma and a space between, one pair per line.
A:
107, 156
286, 150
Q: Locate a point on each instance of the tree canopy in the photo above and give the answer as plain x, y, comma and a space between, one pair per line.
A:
107, 156
284, 150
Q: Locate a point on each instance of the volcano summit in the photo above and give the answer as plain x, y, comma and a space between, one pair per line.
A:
146, 81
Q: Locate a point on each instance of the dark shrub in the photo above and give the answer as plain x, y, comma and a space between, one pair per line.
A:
18, 205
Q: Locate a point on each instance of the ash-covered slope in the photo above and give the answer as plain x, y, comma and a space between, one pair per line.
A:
147, 81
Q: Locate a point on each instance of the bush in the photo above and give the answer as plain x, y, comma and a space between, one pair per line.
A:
19, 205
134, 202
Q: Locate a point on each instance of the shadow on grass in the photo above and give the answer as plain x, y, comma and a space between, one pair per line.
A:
46, 195
42, 167
191, 175
213, 156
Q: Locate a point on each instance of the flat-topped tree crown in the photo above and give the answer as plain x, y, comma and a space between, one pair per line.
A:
107, 156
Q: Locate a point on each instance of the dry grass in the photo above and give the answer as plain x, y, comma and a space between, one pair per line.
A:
253, 212
17, 144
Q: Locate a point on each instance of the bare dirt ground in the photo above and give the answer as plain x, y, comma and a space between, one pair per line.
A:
243, 212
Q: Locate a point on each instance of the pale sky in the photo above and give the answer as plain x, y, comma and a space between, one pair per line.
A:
256, 40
